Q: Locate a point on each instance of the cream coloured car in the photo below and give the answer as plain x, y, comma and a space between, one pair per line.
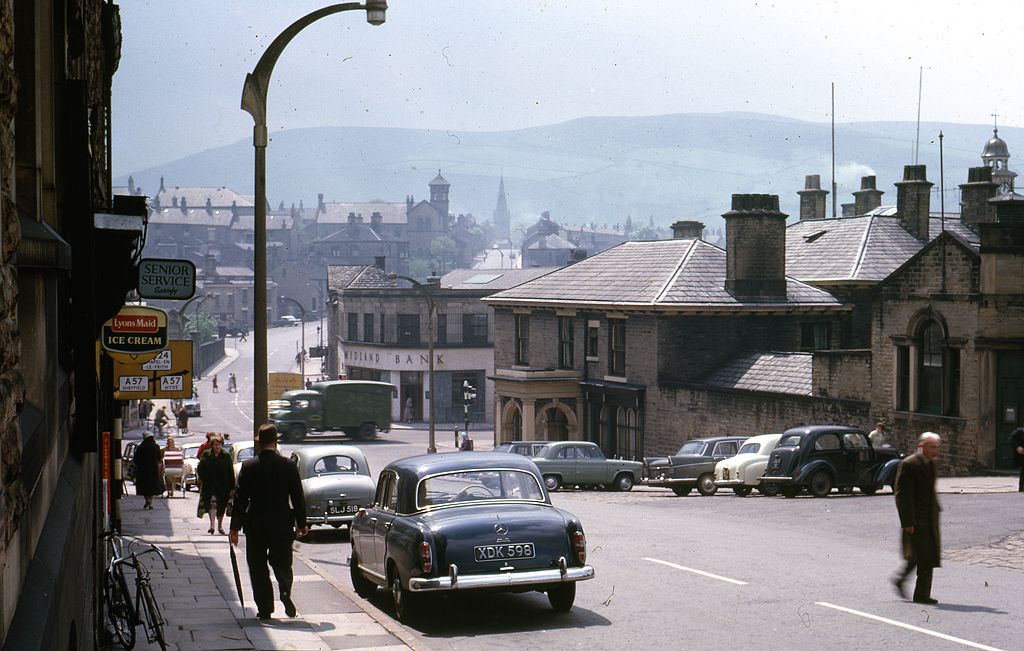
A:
742, 473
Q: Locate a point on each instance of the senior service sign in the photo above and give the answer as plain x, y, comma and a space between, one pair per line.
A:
135, 330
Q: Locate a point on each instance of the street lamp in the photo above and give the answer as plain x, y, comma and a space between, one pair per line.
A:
431, 447
254, 101
323, 306
180, 313
302, 353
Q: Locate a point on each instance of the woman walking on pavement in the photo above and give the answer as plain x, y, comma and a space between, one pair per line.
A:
216, 476
148, 481
173, 462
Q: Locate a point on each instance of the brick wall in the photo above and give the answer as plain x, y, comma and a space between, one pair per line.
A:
842, 374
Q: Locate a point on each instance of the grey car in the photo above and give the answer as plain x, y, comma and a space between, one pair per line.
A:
336, 480
582, 463
693, 466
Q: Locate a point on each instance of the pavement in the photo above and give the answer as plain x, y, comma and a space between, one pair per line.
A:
199, 600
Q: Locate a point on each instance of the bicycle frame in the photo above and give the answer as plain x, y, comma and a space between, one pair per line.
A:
144, 607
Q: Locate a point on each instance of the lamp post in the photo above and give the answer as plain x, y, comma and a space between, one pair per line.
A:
302, 353
254, 101
323, 306
431, 447
180, 313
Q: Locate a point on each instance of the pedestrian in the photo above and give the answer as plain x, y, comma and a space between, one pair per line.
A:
1017, 440
215, 383
266, 484
159, 420
245, 333
467, 443
205, 444
879, 437
148, 481
183, 421
918, 508
172, 459
309, 383
216, 477
232, 383
408, 414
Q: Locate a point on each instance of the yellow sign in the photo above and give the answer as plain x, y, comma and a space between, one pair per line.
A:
278, 383
165, 373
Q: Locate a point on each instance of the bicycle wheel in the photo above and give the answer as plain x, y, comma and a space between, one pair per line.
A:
154, 621
119, 607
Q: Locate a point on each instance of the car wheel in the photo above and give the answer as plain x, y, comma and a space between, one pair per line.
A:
363, 586
552, 482
296, 433
820, 484
706, 484
869, 490
624, 482
742, 491
402, 599
771, 490
562, 597
682, 491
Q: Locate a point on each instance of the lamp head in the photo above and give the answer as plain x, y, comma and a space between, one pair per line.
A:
392, 275
375, 11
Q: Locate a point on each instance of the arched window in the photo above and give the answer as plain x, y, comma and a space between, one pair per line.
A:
937, 370
512, 428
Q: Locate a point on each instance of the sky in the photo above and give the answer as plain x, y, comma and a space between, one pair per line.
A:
494, 65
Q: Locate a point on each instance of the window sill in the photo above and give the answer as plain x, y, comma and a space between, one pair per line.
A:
615, 378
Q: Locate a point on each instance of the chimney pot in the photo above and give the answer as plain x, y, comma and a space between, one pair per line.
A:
867, 182
687, 230
812, 182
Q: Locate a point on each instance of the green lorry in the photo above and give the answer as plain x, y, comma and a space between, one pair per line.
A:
359, 408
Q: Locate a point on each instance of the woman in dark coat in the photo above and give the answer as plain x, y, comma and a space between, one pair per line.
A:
216, 477
1017, 440
149, 480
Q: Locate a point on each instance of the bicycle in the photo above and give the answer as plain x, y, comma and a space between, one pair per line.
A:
124, 613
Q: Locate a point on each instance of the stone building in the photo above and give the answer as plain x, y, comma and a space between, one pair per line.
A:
57, 213
379, 328
651, 343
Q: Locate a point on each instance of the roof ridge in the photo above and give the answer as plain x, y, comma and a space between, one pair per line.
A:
675, 274
863, 247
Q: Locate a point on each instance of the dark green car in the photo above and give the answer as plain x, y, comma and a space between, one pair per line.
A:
581, 463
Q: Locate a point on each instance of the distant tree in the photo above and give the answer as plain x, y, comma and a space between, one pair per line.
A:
202, 323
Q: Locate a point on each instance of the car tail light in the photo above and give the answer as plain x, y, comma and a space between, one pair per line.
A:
579, 543
426, 558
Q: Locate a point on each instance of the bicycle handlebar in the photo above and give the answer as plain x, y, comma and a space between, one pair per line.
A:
125, 553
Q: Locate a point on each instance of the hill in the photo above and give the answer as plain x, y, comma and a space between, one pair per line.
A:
597, 169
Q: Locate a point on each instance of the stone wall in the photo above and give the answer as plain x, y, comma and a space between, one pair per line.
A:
842, 374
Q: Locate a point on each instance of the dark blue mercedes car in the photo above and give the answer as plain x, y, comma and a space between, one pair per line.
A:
466, 521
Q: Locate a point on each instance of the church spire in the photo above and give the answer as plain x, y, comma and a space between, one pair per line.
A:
501, 219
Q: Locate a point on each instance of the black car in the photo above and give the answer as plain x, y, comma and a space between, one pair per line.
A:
693, 466
822, 457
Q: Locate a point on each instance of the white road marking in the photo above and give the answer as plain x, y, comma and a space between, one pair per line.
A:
909, 627
701, 572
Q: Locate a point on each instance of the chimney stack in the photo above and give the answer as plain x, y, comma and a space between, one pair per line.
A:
352, 218
755, 246
974, 195
376, 220
380, 262
913, 201
812, 198
687, 230
868, 197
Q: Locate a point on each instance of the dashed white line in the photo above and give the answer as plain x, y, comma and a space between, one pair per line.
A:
909, 627
701, 572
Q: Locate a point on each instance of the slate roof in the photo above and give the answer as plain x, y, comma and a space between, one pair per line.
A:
274, 222
359, 276
773, 372
492, 280
197, 216
551, 242
356, 233
676, 273
196, 197
866, 248
337, 213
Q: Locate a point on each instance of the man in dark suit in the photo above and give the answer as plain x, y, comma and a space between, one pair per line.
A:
266, 485
918, 508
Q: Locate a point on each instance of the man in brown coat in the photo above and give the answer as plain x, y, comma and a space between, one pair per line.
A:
918, 508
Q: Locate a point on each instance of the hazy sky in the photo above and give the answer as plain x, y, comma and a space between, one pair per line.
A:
494, 65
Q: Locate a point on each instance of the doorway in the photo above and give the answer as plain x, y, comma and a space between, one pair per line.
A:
1009, 402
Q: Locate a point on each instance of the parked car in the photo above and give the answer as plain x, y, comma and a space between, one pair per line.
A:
193, 407
286, 320
525, 448
822, 457
693, 466
742, 473
240, 452
336, 481
582, 463
466, 521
